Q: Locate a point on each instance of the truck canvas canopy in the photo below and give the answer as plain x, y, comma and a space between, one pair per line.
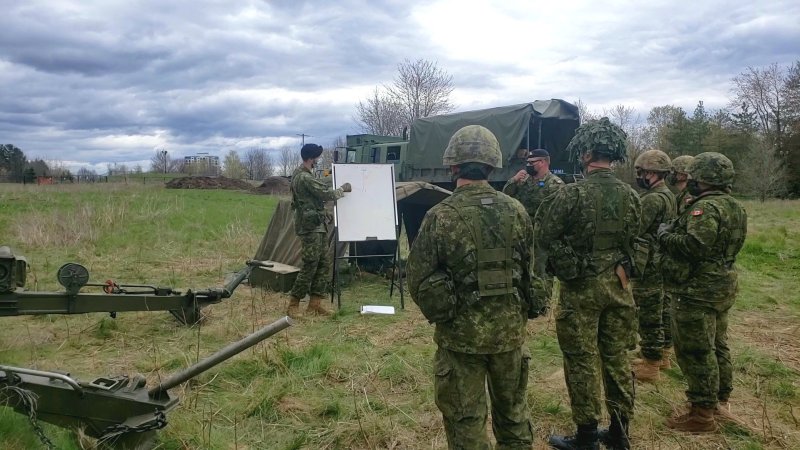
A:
548, 124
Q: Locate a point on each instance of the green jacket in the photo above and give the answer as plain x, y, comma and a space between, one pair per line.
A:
701, 249
588, 227
532, 192
490, 293
309, 195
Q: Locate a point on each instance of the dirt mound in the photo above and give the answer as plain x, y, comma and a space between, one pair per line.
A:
208, 183
274, 186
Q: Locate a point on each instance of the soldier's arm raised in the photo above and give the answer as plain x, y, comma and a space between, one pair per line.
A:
702, 232
321, 190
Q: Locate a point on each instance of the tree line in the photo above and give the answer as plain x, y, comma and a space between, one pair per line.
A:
759, 129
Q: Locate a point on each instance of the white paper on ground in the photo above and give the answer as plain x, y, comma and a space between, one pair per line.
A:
375, 309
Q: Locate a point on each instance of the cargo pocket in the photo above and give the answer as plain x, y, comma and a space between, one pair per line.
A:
446, 387
693, 332
524, 370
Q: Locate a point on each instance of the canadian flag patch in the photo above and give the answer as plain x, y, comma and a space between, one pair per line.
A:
696, 212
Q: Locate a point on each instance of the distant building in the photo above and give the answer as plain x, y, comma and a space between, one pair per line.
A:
202, 158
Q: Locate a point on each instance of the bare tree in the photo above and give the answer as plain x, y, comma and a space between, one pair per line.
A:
583, 112
288, 160
765, 92
420, 89
258, 164
160, 161
639, 138
380, 114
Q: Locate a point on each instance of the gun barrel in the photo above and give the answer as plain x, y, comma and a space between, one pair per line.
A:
223, 354
236, 281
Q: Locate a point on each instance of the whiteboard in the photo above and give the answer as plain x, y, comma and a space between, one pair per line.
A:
370, 211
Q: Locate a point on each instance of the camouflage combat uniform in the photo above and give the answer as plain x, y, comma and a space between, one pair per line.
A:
586, 228
658, 206
699, 255
531, 193
478, 234
309, 195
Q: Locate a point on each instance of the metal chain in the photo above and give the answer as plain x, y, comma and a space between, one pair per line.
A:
111, 432
29, 400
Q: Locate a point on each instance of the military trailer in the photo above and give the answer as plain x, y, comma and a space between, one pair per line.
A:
547, 124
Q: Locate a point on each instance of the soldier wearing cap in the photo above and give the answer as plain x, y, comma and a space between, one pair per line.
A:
588, 229
469, 271
309, 195
658, 206
700, 249
531, 186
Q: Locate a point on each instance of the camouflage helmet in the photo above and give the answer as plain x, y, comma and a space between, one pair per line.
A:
654, 161
600, 137
473, 143
681, 163
712, 168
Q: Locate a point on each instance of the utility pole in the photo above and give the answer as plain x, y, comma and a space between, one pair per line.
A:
303, 136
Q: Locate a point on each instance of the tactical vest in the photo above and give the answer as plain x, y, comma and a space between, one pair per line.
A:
609, 221
733, 234
495, 264
577, 257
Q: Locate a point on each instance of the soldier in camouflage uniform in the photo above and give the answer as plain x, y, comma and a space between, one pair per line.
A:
469, 271
700, 250
678, 178
658, 206
309, 195
588, 229
531, 186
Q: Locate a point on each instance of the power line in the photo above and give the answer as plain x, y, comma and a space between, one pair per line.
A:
303, 135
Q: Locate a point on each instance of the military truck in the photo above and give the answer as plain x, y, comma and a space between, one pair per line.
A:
547, 124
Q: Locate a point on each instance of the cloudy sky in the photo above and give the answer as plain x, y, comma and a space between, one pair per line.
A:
94, 82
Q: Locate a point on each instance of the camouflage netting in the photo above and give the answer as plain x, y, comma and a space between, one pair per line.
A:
208, 183
274, 186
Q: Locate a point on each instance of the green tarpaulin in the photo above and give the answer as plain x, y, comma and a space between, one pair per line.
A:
430, 135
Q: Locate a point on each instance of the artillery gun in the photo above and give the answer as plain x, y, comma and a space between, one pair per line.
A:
121, 412
186, 307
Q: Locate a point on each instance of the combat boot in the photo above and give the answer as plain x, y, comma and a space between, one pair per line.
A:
585, 439
616, 436
315, 307
697, 420
665, 362
723, 413
646, 369
293, 310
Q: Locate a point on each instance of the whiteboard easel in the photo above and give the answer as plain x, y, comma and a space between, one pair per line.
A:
368, 213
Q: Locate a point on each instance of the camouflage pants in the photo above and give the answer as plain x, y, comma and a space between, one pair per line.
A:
594, 322
460, 389
315, 268
701, 347
650, 303
542, 282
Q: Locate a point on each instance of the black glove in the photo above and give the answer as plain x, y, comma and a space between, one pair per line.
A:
346, 187
663, 229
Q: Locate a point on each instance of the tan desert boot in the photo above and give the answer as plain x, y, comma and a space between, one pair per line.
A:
646, 370
697, 420
315, 307
293, 310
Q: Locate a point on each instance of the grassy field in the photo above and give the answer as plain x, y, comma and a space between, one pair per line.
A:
352, 381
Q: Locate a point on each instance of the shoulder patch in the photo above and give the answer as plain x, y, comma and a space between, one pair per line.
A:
697, 212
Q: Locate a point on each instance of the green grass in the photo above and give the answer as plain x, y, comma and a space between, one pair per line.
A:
350, 381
